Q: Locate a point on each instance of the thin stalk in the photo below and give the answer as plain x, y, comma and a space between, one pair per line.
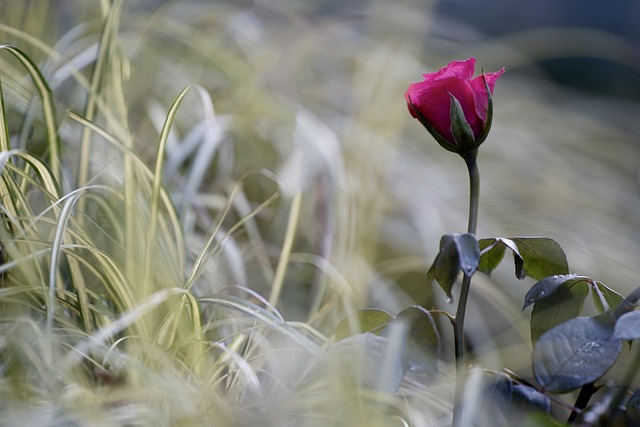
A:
285, 255
458, 327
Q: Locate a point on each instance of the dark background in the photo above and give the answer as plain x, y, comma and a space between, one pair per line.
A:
584, 70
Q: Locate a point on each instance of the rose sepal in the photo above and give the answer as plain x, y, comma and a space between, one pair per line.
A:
460, 128
489, 119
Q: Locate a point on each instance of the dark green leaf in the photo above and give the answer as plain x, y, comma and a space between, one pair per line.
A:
542, 257
446, 267
547, 286
490, 259
604, 298
564, 304
628, 326
367, 320
422, 345
494, 254
457, 252
574, 353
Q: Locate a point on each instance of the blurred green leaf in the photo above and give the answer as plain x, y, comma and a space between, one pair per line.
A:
604, 298
457, 252
563, 304
422, 346
542, 257
366, 320
628, 326
575, 353
547, 286
369, 361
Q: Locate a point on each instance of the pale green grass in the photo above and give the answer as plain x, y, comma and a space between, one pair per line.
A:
195, 195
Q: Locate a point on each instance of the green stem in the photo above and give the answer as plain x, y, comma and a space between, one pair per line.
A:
474, 192
458, 328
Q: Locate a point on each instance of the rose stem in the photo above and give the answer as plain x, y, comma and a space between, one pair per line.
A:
474, 192
458, 328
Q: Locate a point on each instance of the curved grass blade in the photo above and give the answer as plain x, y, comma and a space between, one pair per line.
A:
157, 182
127, 319
47, 106
215, 241
107, 37
170, 225
56, 247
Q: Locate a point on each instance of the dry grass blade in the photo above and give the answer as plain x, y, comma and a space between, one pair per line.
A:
47, 105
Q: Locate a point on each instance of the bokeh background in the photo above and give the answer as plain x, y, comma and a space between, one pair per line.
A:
308, 97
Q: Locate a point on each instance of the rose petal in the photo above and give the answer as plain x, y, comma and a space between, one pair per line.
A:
480, 92
433, 101
458, 69
408, 98
492, 77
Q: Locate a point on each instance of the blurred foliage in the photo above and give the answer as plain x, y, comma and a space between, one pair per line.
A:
307, 96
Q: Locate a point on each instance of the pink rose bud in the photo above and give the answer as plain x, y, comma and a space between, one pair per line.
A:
455, 108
